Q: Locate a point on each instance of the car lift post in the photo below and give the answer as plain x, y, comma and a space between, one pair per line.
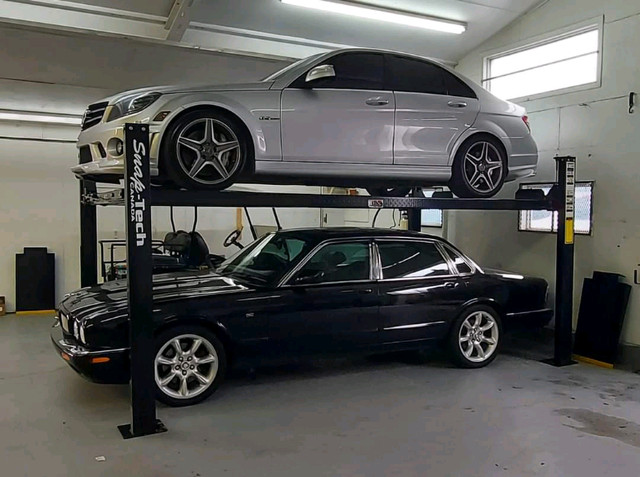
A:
139, 284
563, 196
88, 236
414, 215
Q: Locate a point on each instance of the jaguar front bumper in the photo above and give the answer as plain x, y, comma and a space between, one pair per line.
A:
100, 366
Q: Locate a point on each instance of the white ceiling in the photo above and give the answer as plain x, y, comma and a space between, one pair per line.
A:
270, 28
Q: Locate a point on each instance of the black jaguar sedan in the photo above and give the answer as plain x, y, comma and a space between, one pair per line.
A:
298, 293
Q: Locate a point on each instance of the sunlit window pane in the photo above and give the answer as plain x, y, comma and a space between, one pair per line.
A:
547, 221
431, 217
545, 54
554, 66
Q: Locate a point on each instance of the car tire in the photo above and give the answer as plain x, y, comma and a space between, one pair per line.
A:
205, 149
389, 191
189, 377
475, 344
479, 168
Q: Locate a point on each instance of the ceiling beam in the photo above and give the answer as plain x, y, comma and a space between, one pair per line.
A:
178, 20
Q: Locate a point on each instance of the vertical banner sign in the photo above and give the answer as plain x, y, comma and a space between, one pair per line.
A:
139, 283
570, 201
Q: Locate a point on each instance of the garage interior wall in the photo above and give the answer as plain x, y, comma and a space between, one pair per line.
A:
63, 73
595, 126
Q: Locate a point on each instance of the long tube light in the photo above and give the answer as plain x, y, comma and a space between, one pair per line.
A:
373, 13
33, 117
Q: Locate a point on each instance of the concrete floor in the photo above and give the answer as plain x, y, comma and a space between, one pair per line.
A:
380, 417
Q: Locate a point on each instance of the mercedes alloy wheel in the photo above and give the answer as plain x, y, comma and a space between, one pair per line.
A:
205, 150
479, 168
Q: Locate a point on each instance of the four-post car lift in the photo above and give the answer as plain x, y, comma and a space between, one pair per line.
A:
139, 198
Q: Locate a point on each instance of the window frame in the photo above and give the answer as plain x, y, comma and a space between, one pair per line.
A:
539, 185
453, 271
431, 225
576, 29
287, 280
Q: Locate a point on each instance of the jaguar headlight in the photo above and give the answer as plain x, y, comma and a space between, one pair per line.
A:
64, 322
132, 104
82, 336
76, 330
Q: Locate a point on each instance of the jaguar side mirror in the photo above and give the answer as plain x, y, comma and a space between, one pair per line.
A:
321, 71
308, 278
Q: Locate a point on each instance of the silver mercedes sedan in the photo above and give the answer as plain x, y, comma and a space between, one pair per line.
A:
354, 118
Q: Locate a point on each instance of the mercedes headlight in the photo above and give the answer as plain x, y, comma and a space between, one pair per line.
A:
132, 104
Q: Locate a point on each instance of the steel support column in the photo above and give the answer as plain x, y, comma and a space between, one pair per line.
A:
139, 284
88, 237
563, 195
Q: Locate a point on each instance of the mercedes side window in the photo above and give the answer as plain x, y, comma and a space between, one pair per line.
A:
414, 76
352, 71
411, 259
456, 87
339, 262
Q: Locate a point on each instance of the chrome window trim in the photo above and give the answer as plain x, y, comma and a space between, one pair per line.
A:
289, 275
412, 326
473, 265
432, 240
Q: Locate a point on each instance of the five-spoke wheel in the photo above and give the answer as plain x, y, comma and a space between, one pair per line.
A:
479, 168
475, 337
188, 366
205, 150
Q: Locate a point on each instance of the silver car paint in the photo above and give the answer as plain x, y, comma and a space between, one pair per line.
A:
318, 144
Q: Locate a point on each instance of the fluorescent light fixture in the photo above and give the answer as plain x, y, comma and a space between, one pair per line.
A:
381, 14
33, 117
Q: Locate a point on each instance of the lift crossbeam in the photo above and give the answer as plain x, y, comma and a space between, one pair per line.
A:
191, 198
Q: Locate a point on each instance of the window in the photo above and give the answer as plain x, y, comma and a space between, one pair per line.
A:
461, 264
353, 71
430, 217
337, 262
416, 76
547, 221
266, 260
566, 61
408, 259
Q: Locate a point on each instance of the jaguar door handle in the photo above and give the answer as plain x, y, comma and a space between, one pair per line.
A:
457, 104
377, 101
450, 285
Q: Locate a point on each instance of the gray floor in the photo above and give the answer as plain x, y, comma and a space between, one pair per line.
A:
360, 418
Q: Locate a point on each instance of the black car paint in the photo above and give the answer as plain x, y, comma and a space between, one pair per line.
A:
264, 324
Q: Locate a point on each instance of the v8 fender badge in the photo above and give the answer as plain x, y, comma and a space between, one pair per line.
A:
268, 118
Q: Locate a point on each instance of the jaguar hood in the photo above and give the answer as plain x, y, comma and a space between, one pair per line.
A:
111, 297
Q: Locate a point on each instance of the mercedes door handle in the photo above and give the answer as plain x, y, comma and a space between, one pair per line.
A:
457, 104
366, 291
377, 101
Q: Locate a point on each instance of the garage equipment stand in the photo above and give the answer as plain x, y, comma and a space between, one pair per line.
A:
139, 198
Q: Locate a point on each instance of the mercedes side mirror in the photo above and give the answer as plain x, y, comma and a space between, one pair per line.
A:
321, 71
